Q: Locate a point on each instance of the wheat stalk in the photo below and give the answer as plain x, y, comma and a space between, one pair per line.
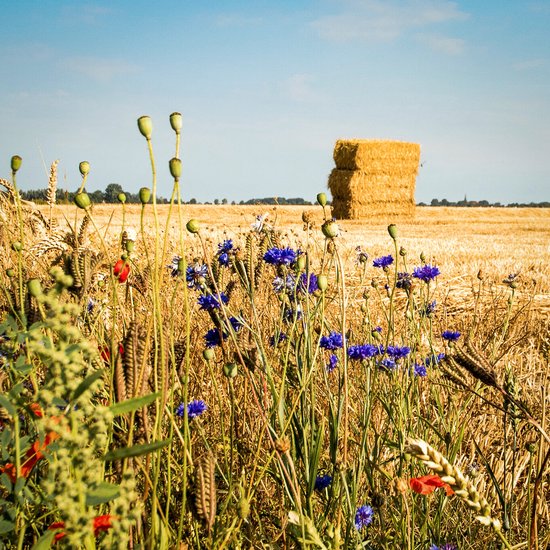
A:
205, 497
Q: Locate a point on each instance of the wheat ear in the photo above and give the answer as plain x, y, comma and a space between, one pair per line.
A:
451, 475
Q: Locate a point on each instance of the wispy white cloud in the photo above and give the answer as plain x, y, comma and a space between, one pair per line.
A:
99, 69
384, 20
528, 64
442, 44
300, 87
237, 20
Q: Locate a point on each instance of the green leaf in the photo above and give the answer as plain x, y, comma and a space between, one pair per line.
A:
104, 492
133, 404
6, 403
86, 383
136, 450
6, 526
45, 541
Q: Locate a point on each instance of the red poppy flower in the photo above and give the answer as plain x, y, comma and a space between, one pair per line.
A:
101, 523
121, 270
426, 485
36, 410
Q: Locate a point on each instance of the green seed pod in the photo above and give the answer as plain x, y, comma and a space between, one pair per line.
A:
243, 508
193, 226
82, 200
322, 282
16, 161
121, 197
392, 230
208, 354
330, 229
402, 252
301, 262
34, 287
423, 257
230, 370
16, 246
322, 199
129, 246
84, 168
145, 125
10, 272
176, 122
175, 168
144, 195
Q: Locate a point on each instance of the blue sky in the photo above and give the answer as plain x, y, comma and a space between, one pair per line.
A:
266, 88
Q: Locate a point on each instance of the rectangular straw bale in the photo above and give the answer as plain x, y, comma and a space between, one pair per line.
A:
356, 185
349, 210
376, 155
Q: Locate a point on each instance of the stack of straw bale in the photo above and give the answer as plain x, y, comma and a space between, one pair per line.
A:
374, 178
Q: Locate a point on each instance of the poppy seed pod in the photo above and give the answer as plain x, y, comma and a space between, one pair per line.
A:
208, 354
392, 230
322, 282
10, 272
84, 168
34, 287
82, 200
144, 195
330, 229
175, 168
176, 122
121, 197
322, 199
230, 370
193, 226
16, 161
145, 125
16, 246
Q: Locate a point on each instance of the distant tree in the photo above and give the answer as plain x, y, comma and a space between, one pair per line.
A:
112, 191
97, 196
216, 201
193, 201
224, 201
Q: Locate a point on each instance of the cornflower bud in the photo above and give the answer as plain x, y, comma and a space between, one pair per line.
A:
145, 125
10, 272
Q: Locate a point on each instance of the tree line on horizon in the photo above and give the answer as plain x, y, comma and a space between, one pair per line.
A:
112, 192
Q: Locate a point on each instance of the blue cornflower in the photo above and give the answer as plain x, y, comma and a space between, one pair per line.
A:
420, 370
433, 359
450, 336
447, 546
384, 261
322, 482
426, 273
194, 408
378, 329
213, 338
290, 315
285, 284
235, 323
398, 353
277, 339
404, 280
280, 256
429, 309
223, 259
363, 517
209, 302
387, 363
308, 284
331, 342
225, 247
332, 362
173, 266
90, 305
364, 351
195, 275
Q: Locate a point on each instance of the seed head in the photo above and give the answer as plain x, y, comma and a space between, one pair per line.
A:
145, 125
16, 161
84, 168
82, 200
144, 195
176, 122
175, 168
322, 199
